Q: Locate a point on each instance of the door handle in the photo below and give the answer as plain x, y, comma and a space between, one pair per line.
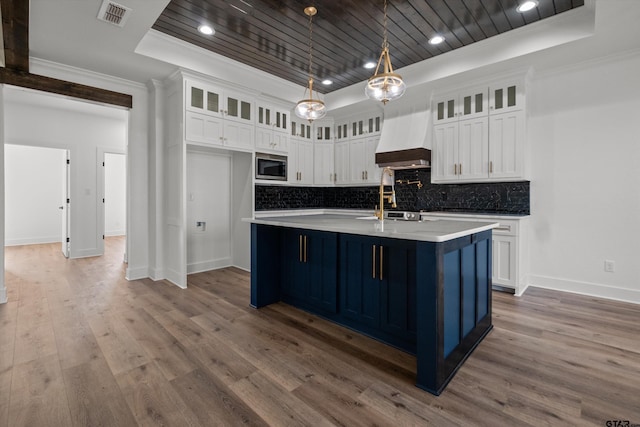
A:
61, 207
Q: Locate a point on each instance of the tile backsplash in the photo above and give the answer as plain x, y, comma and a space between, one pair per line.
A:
498, 198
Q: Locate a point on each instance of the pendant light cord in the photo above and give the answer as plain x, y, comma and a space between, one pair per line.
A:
385, 43
310, 46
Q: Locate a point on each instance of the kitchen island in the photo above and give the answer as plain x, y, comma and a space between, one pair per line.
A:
424, 287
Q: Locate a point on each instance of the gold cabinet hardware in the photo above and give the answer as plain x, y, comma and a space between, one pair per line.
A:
455, 169
460, 168
305, 248
300, 247
491, 166
381, 259
373, 257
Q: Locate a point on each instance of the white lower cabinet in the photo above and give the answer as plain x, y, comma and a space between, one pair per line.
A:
510, 267
504, 256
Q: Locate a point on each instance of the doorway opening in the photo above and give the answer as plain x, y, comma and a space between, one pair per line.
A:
36, 196
114, 200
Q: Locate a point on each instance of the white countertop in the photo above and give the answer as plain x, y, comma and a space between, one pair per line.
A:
433, 230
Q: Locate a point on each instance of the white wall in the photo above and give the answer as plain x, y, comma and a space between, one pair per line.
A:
34, 179
3, 288
81, 128
242, 205
136, 139
115, 206
584, 130
208, 201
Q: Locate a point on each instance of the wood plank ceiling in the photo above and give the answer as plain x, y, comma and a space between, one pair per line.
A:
273, 35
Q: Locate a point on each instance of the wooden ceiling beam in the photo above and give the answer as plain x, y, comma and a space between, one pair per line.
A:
61, 87
15, 32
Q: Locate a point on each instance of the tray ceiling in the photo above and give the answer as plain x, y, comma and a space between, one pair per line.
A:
273, 35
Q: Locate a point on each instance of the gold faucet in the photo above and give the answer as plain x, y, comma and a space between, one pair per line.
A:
387, 178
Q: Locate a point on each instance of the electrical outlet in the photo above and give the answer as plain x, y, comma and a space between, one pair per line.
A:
609, 266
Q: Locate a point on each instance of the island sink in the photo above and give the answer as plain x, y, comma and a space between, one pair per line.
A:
422, 287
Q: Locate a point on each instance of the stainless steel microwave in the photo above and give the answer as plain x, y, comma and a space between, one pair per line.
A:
271, 166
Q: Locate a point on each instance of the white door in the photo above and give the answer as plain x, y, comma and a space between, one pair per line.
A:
65, 207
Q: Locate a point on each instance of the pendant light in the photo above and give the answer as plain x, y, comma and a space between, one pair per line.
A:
385, 86
309, 108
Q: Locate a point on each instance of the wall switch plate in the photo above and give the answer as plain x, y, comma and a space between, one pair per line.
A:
609, 266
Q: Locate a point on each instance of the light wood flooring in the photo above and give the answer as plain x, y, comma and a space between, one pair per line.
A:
81, 346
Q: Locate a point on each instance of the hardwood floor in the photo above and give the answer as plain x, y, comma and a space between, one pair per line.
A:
81, 346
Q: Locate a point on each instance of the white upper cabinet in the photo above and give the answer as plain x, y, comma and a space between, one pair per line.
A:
341, 163
479, 133
341, 131
323, 131
507, 96
300, 161
219, 116
362, 164
506, 148
462, 105
301, 129
323, 164
365, 125
272, 128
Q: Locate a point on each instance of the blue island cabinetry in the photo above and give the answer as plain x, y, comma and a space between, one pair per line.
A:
431, 299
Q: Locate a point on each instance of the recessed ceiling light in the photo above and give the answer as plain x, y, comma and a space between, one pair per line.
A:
437, 39
206, 30
369, 65
527, 6
327, 82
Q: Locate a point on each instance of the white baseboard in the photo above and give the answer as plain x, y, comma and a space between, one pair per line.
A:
136, 273
156, 274
199, 267
3, 295
586, 288
176, 278
33, 241
114, 233
85, 253
248, 270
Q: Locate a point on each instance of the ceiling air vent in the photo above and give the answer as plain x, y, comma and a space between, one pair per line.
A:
114, 13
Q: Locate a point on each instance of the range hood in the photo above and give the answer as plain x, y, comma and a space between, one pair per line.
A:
405, 141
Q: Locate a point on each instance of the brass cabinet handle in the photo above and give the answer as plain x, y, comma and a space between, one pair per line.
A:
373, 257
491, 166
300, 247
305, 248
455, 169
381, 257
460, 168
366, 175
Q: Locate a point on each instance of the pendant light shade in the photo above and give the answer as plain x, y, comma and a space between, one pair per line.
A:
385, 86
310, 108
